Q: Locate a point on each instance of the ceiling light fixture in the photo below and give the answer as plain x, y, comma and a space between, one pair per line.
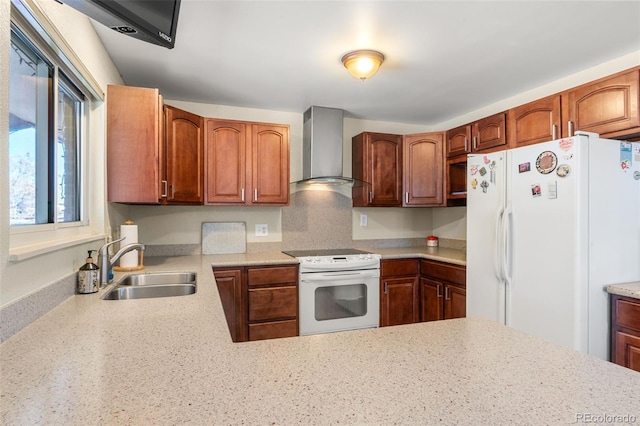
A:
363, 64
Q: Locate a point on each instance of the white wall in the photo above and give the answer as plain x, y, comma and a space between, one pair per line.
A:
23, 277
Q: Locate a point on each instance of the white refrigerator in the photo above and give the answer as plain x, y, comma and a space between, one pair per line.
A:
549, 226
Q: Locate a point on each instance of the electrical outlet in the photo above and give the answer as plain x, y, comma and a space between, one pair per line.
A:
363, 220
262, 230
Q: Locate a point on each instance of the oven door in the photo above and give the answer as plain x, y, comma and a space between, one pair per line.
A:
337, 301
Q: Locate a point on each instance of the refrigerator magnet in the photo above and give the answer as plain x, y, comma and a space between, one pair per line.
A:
636, 175
486, 160
536, 190
483, 171
473, 170
563, 170
625, 155
474, 183
546, 162
524, 167
565, 144
484, 185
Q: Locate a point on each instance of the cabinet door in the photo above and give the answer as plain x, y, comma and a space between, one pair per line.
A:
458, 141
431, 298
399, 301
455, 301
490, 133
423, 169
270, 164
184, 140
535, 122
231, 289
627, 350
608, 106
134, 117
225, 162
383, 169
456, 181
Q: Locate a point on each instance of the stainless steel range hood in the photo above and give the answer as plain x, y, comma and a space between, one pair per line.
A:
322, 146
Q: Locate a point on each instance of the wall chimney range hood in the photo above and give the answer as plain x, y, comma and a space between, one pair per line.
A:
322, 147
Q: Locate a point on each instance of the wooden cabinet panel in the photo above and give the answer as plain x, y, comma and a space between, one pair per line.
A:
455, 302
628, 314
423, 169
273, 330
271, 303
230, 288
608, 106
377, 161
270, 160
535, 122
627, 350
490, 133
458, 141
398, 267
399, 302
456, 181
625, 331
225, 162
184, 153
431, 300
444, 271
134, 140
273, 275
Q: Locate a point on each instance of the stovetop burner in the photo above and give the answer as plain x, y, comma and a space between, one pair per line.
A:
324, 252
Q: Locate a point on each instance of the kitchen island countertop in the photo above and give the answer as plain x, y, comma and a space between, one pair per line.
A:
171, 361
631, 289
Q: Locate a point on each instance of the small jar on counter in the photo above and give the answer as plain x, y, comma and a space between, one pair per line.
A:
432, 241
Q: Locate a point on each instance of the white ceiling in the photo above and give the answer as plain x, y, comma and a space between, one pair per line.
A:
443, 58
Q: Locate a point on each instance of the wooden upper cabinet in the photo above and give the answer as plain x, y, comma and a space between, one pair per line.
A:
134, 141
608, 106
184, 142
270, 164
377, 161
535, 122
246, 163
423, 169
489, 133
225, 162
458, 141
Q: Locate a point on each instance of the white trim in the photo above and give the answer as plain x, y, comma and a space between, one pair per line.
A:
27, 251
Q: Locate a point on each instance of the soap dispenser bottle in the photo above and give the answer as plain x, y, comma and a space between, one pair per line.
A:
88, 276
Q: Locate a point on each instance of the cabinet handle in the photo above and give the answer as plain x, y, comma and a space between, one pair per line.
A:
438, 291
255, 194
475, 143
570, 125
242, 195
386, 288
406, 197
164, 189
173, 191
371, 196
446, 293
466, 143
554, 129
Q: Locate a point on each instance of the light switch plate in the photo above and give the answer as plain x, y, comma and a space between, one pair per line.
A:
363, 220
262, 230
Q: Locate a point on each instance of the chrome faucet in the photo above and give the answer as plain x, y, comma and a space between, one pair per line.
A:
105, 263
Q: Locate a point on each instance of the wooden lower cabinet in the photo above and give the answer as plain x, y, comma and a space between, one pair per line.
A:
399, 292
442, 290
625, 332
259, 302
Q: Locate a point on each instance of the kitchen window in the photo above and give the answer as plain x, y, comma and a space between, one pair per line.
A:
51, 97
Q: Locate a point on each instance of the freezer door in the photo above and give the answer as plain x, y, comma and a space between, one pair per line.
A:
485, 204
546, 240
614, 230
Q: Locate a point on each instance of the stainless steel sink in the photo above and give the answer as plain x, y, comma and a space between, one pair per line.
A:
161, 284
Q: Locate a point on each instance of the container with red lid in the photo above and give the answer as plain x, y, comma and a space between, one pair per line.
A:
432, 241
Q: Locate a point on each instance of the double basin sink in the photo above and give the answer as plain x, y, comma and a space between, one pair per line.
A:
157, 284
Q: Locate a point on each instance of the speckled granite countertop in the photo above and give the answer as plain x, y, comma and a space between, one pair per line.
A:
442, 254
625, 289
171, 361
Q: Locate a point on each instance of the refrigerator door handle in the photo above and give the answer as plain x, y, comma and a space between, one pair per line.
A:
498, 245
507, 230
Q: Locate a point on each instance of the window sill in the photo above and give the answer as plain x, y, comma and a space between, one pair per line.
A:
28, 251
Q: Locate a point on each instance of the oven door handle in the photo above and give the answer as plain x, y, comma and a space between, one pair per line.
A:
331, 276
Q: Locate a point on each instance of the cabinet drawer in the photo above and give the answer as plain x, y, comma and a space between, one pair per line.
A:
272, 330
278, 275
399, 267
444, 271
273, 303
628, 314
